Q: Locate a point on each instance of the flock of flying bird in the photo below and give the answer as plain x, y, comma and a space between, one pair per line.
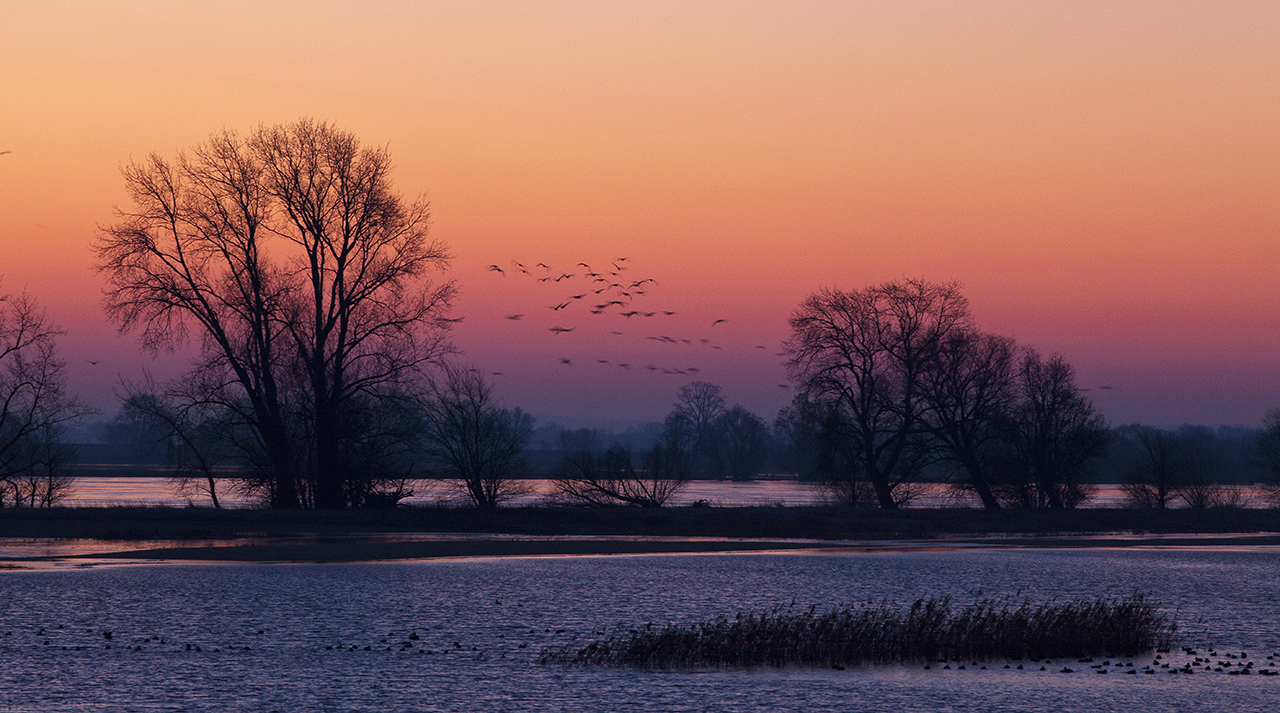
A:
601, 293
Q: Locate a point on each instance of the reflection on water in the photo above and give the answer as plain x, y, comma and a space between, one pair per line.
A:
101, 491
357, 637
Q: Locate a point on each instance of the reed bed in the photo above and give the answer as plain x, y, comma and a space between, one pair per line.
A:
929, 630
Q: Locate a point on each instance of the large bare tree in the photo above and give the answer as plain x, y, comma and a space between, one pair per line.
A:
867, 353
306, 278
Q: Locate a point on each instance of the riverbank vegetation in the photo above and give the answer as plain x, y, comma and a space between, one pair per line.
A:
882, 633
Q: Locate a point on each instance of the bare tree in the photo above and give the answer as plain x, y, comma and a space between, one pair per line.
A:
698, 405
34, 406
741, 440
1266, 453
868, 353
594, 479
190, 434
1056, 434
1158, 469
474, 443
1201, 486
969, 394
306, 278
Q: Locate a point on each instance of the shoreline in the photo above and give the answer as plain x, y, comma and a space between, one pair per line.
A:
142, 534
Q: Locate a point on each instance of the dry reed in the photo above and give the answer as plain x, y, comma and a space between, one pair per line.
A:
929, 630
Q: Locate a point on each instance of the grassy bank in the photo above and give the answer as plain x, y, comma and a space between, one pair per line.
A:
928, 630
818, 523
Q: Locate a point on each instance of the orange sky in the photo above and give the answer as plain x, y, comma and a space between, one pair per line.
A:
1103, 178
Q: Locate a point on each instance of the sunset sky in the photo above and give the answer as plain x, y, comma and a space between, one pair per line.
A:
1103, 178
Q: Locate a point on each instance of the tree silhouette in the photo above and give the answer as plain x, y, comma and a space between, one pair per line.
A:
867, 352
474, 443
305, 277
34, 406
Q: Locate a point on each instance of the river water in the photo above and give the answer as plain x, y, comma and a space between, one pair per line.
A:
332, 637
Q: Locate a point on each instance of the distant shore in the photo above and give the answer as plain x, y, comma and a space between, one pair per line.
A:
206, 534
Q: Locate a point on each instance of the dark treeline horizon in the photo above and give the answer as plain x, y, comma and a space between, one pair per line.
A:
108, 441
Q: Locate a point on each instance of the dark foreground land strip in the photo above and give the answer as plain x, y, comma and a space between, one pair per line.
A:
811, 523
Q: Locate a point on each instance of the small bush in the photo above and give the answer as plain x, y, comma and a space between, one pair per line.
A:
929, 630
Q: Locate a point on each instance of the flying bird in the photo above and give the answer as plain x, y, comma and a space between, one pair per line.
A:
561, 330
718, 321
514, 317
566, 361
500, 271
497, 373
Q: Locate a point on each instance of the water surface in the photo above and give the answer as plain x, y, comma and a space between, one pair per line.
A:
279, 637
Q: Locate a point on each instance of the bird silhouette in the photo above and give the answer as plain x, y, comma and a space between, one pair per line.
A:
500, 271
560, 330
566, 361
718, 321
514, 317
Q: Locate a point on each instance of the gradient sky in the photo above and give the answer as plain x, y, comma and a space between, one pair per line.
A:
1103, 178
